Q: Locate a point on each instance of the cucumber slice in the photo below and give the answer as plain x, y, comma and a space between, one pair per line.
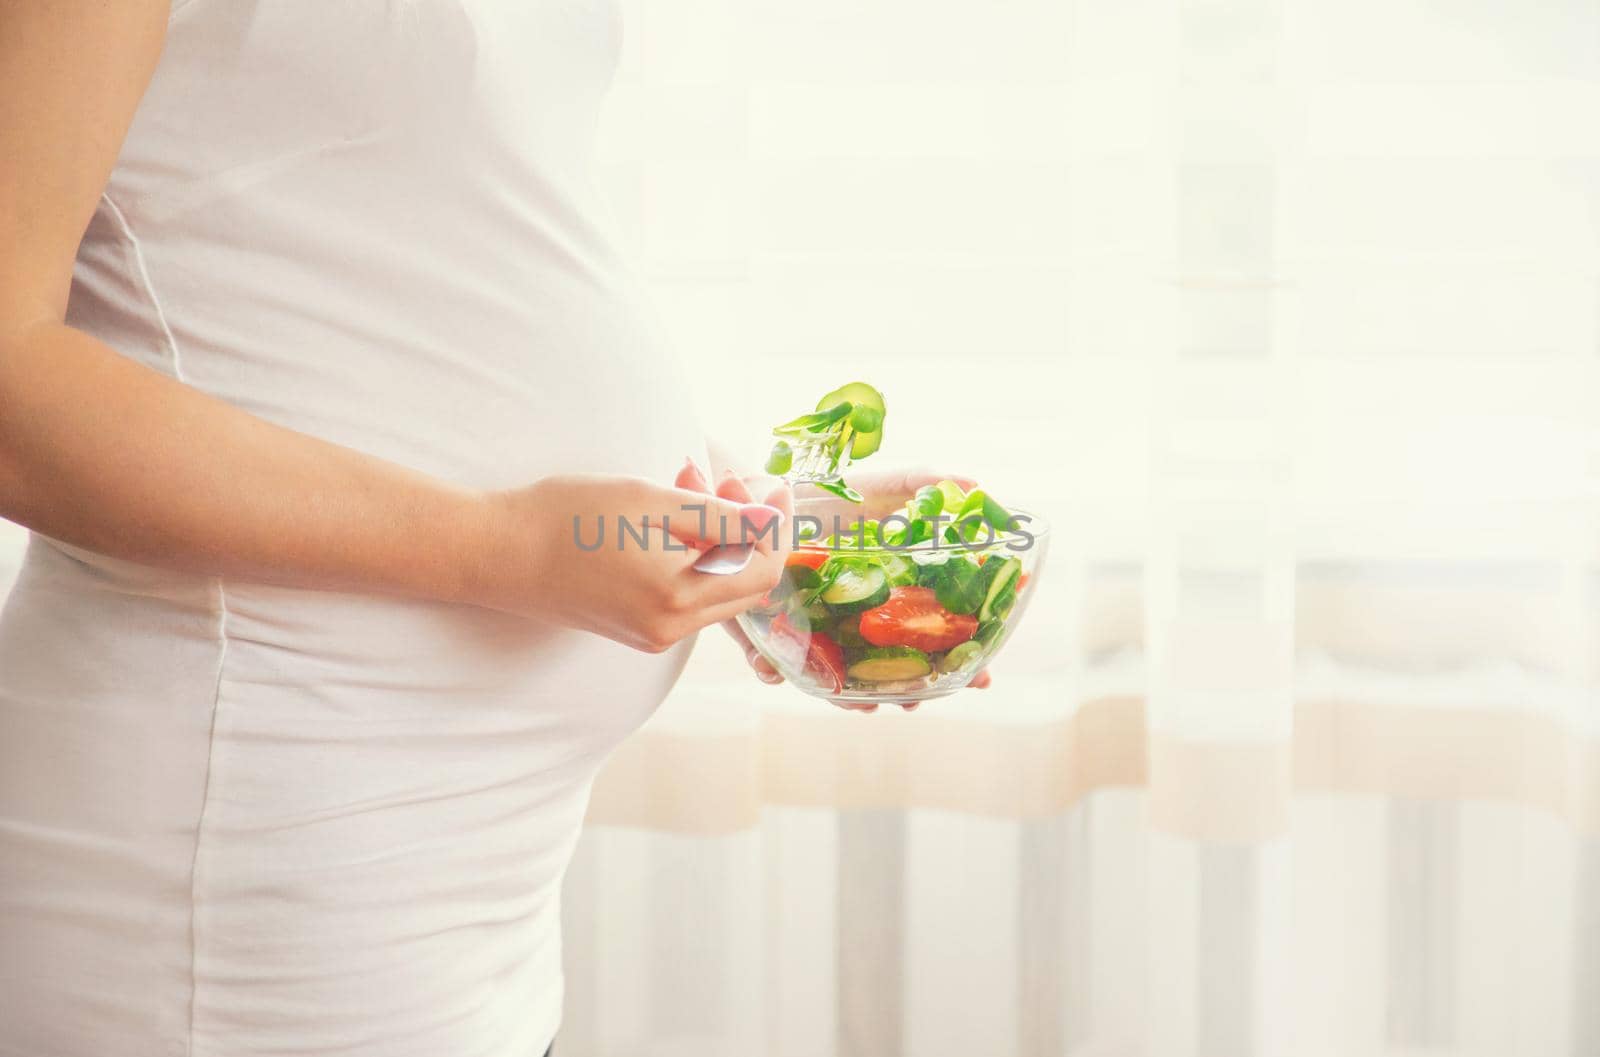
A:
857, 588
988, 632
1005, 601
901, 571
1004, 576
864, 444
961, 657
858, 394
891, 664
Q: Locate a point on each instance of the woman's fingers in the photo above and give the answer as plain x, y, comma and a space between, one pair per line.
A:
756, 515
781, 496
691, 478
705, 520
981, 681
732, 487
732, 595
763, 667
781, 499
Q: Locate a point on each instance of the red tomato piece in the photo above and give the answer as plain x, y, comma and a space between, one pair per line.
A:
823, 658
913, 617
825, 662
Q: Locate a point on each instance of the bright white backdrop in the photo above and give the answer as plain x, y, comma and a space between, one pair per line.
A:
1285, 313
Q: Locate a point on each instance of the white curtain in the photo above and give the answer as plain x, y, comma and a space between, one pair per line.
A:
1285, 314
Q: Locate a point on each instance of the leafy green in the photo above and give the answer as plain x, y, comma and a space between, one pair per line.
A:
900, 570
816, 421
840, 489
995, 514
781, 459
961, 586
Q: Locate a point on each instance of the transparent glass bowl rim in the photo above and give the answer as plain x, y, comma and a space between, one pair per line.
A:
1037, 527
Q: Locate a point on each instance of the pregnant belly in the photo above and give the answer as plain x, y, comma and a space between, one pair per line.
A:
292, 788
125, 690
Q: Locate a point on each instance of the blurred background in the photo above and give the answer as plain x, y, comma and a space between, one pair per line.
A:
1286, 315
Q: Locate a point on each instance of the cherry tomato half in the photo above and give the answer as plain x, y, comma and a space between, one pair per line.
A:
913, 617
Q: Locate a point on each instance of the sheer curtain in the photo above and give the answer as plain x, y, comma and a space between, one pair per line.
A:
1284, 313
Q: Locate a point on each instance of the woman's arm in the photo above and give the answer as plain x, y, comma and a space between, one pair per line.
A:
102, 452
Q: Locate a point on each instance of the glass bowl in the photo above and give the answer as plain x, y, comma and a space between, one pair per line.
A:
895, 625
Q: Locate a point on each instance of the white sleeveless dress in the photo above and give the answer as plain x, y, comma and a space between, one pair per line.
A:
238, 820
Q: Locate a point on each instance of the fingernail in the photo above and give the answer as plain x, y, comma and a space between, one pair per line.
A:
758, 516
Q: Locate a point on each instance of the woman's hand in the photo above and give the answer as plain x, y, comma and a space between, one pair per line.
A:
612, 555
732, 489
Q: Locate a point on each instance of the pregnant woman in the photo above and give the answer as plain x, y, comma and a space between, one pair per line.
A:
310, 352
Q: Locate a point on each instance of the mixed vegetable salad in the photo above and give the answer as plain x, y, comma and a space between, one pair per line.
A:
912, 602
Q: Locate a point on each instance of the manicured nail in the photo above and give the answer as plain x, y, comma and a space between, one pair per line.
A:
758, 516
